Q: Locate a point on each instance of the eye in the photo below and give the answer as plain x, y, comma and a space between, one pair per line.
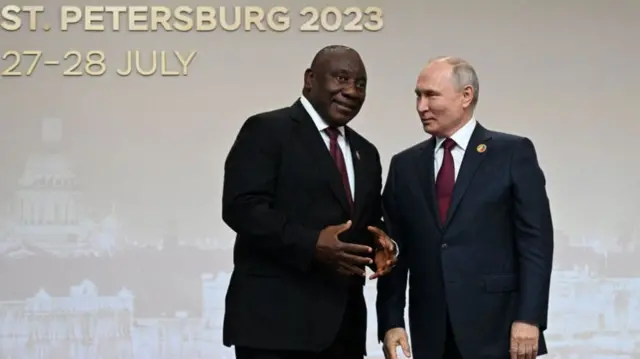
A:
342, 78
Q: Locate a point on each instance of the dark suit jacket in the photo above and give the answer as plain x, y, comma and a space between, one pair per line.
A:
489, 264
281, 188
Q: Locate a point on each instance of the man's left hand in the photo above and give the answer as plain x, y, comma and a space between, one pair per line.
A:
524, 340
385, 255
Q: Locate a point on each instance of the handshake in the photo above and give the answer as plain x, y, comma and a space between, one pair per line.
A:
349, 258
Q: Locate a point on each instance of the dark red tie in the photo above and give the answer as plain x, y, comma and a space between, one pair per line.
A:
446, 179
338, 158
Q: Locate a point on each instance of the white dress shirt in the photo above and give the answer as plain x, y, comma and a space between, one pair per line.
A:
342, 142
461, 138
344, 146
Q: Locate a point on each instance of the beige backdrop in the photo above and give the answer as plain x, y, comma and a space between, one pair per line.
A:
112, 245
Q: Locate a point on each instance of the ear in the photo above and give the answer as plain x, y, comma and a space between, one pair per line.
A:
308, 79
467, 96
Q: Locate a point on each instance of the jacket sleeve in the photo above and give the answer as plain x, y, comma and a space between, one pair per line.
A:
250, 177
391, 298
533, 234
376, 219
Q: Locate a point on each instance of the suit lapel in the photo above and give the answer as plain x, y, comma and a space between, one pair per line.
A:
360, 172
473, 157
426, 176
312, 140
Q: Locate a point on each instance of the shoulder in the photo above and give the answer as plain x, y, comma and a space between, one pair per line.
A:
504, 137
410, 153
269, 126
362, 141
510, 141
272, 119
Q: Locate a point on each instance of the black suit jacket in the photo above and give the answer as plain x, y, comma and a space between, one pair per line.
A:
489, 264
281, 188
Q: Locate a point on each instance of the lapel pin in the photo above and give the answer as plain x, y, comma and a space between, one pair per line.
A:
481, 148
357, 155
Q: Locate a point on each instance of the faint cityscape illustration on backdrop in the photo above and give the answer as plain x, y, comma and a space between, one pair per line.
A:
76, 283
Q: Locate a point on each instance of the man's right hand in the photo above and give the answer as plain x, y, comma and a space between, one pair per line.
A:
392, 339
346, 258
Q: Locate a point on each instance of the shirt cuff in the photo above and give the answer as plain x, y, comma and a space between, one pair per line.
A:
395, 247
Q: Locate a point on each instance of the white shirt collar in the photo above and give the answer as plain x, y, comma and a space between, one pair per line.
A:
461, 137
320, 124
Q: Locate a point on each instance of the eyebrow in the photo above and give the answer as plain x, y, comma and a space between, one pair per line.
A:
345, 70
349, 74
426, 91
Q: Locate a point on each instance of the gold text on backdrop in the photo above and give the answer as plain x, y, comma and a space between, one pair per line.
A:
94, 63
197, 18
134, 64
10, 19
352, 19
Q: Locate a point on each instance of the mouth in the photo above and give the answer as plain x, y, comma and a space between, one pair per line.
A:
345, 107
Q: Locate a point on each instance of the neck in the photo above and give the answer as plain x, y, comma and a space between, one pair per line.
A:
463, 121
322, 114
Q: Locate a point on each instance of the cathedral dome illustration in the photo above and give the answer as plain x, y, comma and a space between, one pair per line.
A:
49, 167
50, 164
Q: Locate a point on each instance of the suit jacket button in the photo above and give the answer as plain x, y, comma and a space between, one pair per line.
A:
444, 246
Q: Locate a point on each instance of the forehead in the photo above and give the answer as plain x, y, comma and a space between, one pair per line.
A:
348, 61
436, 75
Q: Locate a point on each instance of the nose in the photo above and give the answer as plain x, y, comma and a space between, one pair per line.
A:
422, 104
350, 90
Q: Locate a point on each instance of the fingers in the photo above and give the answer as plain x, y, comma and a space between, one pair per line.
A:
392, 262
342, 227
384, 264
530, 351
376, 231
518, 351
392, 339
357, 260
348, 269
380, 272
513, 349
524, 340
382, 239
390, 350
350, 264
385, 244
404, 344
389, 245
523, 350
355, 248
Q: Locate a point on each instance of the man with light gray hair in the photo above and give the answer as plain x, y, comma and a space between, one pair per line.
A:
470, 214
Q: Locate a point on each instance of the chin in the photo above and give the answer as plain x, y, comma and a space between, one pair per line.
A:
429, 129
340, 119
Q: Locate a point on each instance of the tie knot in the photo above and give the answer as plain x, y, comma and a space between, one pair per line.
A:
332, 132
448, 144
